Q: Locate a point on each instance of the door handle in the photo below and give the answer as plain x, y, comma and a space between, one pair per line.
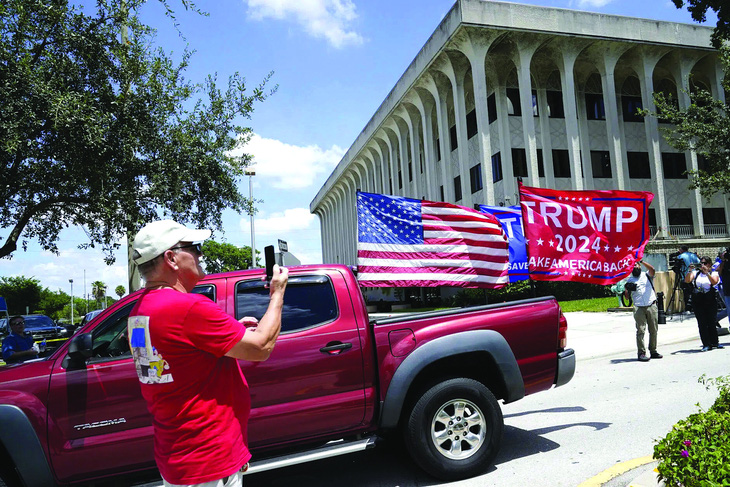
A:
335, 348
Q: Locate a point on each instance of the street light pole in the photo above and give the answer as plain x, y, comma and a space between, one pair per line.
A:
251, 173
72, 300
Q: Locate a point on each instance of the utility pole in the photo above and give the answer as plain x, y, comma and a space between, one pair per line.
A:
72, 300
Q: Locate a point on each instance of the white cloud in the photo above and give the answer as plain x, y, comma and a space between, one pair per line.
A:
291, 166
328, 19
292, 220
593, 3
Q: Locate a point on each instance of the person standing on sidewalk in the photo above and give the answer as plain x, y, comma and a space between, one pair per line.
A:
645, 309
687, 259
703, 281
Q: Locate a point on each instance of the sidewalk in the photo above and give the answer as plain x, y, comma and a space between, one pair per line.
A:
594, 335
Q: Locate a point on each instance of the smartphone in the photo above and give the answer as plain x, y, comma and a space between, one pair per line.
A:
269, 256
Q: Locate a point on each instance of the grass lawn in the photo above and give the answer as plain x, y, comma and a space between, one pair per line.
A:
594, 304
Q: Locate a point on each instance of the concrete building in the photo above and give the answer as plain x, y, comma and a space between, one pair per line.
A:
503, 90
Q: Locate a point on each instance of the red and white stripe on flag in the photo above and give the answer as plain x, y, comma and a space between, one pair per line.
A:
403, 242
584, 236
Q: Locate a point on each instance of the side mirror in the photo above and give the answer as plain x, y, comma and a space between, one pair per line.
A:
80, 348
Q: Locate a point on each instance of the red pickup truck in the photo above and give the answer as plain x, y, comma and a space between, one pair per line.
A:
335, 381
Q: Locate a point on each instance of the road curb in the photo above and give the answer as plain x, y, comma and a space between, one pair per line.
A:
615, 471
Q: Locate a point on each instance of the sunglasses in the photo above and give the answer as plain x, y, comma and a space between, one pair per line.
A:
197, 248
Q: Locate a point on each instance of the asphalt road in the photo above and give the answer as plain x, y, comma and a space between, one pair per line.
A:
611, 412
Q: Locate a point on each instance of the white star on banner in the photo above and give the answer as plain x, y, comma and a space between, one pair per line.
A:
552, 244
617, 249
606, 248
540, 241
630, 248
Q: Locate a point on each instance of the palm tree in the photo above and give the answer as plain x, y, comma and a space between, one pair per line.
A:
120, 290
98, 290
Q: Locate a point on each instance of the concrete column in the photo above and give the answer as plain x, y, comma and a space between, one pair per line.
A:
415, 187
570, 108
392, 162
509, 183
337, 226
522, 61
424, 109
476, 48
377, 153
585, 144
402, 138
442, 123
613, 129
645, 69
684, 70
323, 229
545, 139
351, 229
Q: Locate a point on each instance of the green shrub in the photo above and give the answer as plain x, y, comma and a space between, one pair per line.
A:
695, 452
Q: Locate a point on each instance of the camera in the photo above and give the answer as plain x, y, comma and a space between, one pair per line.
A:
630, 286
675, 264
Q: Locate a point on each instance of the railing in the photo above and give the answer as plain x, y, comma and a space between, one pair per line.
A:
681, 231
716, 230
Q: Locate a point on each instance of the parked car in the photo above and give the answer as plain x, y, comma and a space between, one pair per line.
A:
89, 316
336, 378
42, 327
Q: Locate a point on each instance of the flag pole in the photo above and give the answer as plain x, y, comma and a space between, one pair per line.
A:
527, 244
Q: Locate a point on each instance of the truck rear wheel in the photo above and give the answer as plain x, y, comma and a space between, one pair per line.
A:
455, 429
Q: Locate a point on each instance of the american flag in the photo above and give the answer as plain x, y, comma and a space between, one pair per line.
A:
403, 242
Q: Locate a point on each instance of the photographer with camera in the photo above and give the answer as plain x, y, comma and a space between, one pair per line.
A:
723, 270
703, 281
645, 308
687, 259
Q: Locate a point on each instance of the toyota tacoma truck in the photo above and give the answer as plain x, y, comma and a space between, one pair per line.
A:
336, 381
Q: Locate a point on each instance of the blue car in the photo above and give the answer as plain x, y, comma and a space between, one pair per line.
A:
41, 326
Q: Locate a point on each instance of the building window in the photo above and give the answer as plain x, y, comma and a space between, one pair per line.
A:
638, 165
535, 110
420, 160
595, 109
630, 105
400, 180
390, 182
713, 216
492, 108
452, 137
601, 164
555, 104
438, 150
702, 163
561, 163
513, 102
475, 176
441, 190
540, 165
471, 124
652, 217
680, 216
674, 165
457, 188
410, 171
519, 163
496, 167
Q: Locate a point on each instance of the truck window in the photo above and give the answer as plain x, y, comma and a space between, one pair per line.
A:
207, 290
110, 338
309, 301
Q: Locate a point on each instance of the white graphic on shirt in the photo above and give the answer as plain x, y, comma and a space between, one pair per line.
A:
150, 364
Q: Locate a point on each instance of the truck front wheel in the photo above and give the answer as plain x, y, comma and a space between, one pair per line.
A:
455, 429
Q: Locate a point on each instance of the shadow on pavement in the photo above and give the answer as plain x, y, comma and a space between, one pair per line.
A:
572, 409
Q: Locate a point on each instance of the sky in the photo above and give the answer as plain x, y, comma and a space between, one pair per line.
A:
334, 62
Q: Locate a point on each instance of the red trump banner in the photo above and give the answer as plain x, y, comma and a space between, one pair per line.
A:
585, 236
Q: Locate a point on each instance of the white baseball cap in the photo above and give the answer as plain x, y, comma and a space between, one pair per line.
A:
157, 237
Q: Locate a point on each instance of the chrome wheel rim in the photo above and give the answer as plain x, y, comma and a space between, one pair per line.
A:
458, 429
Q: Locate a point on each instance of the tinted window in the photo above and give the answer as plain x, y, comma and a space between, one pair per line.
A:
674, 165
208, 291
110, 339
561, 163
308, 301
639, 165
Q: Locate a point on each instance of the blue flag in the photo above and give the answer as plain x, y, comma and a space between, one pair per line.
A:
511, 219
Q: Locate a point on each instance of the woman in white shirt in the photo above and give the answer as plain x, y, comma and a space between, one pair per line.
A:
703, 280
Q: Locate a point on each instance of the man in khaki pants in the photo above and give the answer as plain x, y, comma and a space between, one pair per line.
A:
645, 308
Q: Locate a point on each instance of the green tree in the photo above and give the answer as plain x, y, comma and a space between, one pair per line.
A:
120, 290
53, 304
98, 290
224, 257
100, 129
21, 294
704, 125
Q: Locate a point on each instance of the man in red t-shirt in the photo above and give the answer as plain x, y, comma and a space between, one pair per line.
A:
185, 349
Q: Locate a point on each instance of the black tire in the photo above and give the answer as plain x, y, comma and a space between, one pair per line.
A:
441, 448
